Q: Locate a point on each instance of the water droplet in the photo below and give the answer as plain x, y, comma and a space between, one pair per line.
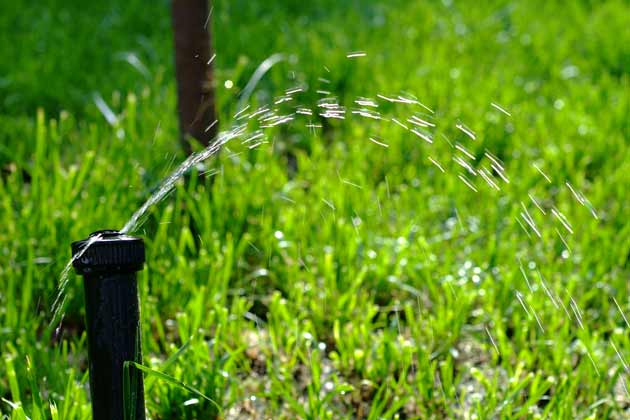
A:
569, 72
191, 401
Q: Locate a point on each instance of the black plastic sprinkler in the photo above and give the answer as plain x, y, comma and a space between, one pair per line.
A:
109, 267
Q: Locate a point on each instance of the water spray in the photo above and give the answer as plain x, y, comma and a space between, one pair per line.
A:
108, 261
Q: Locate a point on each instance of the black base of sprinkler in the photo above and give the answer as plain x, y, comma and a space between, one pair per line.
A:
108, 266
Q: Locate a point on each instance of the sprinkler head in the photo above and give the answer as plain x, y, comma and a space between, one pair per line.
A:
108, 261
107, 251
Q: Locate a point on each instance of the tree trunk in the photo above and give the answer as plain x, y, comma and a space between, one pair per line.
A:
193, 71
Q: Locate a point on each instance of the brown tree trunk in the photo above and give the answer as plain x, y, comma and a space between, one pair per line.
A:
193, 71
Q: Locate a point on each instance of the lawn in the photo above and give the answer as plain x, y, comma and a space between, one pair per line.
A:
343, 268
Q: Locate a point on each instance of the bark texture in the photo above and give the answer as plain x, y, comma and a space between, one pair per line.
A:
193, 71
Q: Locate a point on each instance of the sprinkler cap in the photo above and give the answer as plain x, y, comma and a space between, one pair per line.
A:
107, 251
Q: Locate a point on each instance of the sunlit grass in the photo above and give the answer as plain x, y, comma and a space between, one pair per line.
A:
343, 269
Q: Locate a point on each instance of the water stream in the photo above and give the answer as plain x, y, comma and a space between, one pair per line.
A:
421, 122
132, 224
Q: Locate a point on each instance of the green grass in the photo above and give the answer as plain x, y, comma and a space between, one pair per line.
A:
283, 293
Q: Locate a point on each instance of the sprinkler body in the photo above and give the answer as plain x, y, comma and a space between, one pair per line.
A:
108, 266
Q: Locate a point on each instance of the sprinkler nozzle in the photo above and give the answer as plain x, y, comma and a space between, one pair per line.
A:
108, 261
